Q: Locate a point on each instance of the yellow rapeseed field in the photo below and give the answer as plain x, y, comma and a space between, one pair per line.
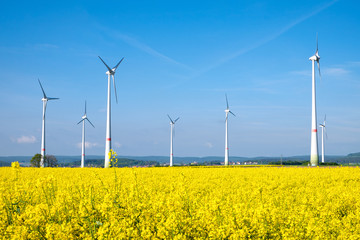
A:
180, 203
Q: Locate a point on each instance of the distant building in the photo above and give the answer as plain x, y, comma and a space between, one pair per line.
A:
251, 163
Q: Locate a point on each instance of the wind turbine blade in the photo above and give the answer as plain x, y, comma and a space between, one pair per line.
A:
227, 103
85, 107
318, 63
80, 121
118, 64
51, 98
326, 133
90, 122
232, 113
324, 119
42, 89
317, 43
115, 88
170, 118
174, 131
176, 119
105, 64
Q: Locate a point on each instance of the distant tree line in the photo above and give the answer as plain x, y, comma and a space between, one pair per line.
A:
301, 163
122, 162
5, 164
51, 161
287, 162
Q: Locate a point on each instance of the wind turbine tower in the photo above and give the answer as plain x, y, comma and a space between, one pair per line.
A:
227, 111
84, 117
323, 129
172, 131
314, 156
44, 100
110, 72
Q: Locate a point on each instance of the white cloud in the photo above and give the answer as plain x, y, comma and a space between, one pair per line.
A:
117, 144
26, 139
88, 145
336, 71
209, 145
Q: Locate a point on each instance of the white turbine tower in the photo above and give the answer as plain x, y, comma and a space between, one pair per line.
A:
172, 133
227, 111
84, 117
323, 129
44, 100
110, 72
314, 156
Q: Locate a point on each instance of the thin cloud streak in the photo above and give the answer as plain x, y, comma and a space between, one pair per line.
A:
336, 71
45, 46
140, 45
264, 40
243, 89
137, 44
354, 64
306, 73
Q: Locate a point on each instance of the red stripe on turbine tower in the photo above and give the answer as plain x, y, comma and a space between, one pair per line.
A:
43, 149
108, 139
314, 130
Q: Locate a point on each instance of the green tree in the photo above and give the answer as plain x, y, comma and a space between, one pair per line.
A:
50, 161
35, 161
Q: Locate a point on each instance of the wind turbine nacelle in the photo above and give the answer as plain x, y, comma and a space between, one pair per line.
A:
110, 73
227, 110
44, 99
313, 58
316, 57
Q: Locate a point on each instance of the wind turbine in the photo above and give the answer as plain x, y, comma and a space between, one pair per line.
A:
314, 156
172, 132
323, 129
110, 72
227, 111
44, 100
84, 117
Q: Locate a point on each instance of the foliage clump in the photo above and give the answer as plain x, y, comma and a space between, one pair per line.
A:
49, 161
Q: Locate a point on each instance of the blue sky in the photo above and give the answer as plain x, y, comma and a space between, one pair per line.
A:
181, 57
